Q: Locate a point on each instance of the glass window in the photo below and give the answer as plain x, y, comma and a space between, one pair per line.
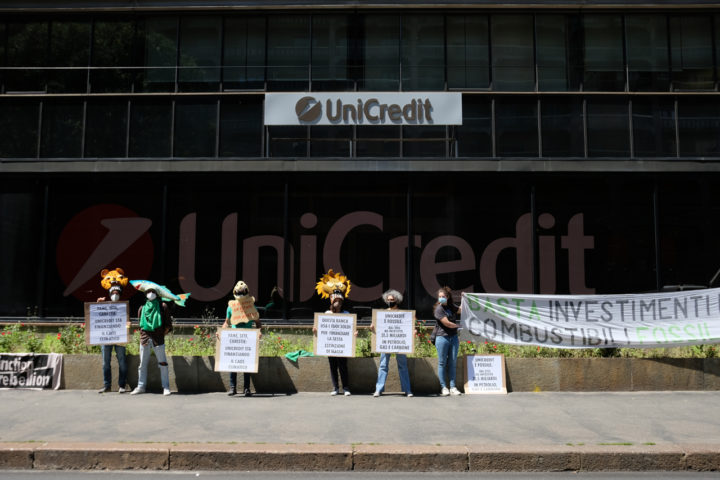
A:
113, 47
160, 54
106, 128
200, 49
288, 52
27, 46
608, 127
150, 122
330, 53
653, 127
474, 136
691, 51
423, 52
513, 62
287, 141
330, 141
557, 52
516, 127
62, 122
381, 48
244, 53
69, 47
424, 141
468, 54
241, 126
377, 141
195, 128
604, 70
19, 124
647, 52
699, 126
563, 133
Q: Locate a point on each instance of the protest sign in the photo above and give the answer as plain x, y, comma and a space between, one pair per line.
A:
243, 310
31, 371
394, 331
335, 335
237, 350
106, 323
485, 374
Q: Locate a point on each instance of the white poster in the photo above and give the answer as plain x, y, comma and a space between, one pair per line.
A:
335, 335
485, 374
237, 350
106, 323
594, 321
394, 331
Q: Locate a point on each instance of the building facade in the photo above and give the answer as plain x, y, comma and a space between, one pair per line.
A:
135, 134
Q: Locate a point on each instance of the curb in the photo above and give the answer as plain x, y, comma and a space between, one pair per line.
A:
368, 458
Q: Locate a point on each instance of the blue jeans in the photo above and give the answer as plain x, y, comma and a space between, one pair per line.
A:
122, 365
447, 350
145, 359
402, 371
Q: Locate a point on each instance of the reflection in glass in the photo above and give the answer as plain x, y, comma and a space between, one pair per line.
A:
195, 128
653, 127
113, 47
200, 46
160, 54
69, 47
330, 53
287, 141
106, 128
512, 52
150, 122
241, 126
474, 136
692, 60
563, 133
699, 126
608, 127
557, 52
424, 141
244, 53
26, 47
331, 141
467, 51
604, 70
647, 52
19, 124
516, 127
62, 124
381, 50
423, 53
288, 52
377, 141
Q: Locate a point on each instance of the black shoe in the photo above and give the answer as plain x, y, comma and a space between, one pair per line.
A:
247, 392
232, 392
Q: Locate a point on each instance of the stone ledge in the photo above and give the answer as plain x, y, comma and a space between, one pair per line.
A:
17, 456
523, 458
410, 458
104, 456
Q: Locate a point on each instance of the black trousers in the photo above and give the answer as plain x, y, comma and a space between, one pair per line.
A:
339, 364
233, 380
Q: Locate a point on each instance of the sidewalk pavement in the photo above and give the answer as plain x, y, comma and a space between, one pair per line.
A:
74, 429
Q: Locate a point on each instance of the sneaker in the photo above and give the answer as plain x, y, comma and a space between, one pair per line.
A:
247, 392
334, 392
376, 394
409, 395
122, 390
166, 391
137, 391
455, 391
444, 392
104, 390
232, 392
347, 393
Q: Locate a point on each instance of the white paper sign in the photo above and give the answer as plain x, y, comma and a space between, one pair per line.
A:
335, 334
485, 374
106, 323
394, 331
237, 350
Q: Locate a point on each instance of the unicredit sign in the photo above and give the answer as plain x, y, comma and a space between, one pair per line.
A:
363, 108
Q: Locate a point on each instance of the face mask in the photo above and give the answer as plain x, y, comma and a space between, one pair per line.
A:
114, 297
442, 300
391, 304
151, 296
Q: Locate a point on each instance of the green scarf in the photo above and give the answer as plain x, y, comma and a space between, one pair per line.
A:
151, 319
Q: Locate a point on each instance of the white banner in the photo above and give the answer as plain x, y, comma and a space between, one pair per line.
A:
363, 108
394, 331
594, 321
107, 323
335, 335
237, 350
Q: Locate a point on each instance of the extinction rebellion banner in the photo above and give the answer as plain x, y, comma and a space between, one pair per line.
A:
594, 321
34, 371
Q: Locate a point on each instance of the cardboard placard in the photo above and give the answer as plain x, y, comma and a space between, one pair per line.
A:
107, 323
243, 310
485, 374
237, 350
394, 331
335, 334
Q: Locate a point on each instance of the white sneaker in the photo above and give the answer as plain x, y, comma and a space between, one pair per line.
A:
444, 392
166, 391
347, 393
410, 395
455, 391
137, 390
122, 390
334, 392
376, 394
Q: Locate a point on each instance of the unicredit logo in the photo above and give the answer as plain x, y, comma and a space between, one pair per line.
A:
308, 110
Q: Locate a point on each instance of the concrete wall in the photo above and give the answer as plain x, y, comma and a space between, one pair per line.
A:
311, 374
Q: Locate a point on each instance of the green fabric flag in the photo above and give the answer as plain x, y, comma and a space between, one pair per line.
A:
151, 319
293, 356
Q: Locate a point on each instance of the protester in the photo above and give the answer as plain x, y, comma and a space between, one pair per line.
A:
113, 281
446, 340
240, 291
392, 298
155, 322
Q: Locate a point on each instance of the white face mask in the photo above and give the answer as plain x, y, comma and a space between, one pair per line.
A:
115, 297
151, 295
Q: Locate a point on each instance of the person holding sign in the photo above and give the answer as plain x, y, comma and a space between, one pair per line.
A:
113, 281
446, 340
392, 298
241, 313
